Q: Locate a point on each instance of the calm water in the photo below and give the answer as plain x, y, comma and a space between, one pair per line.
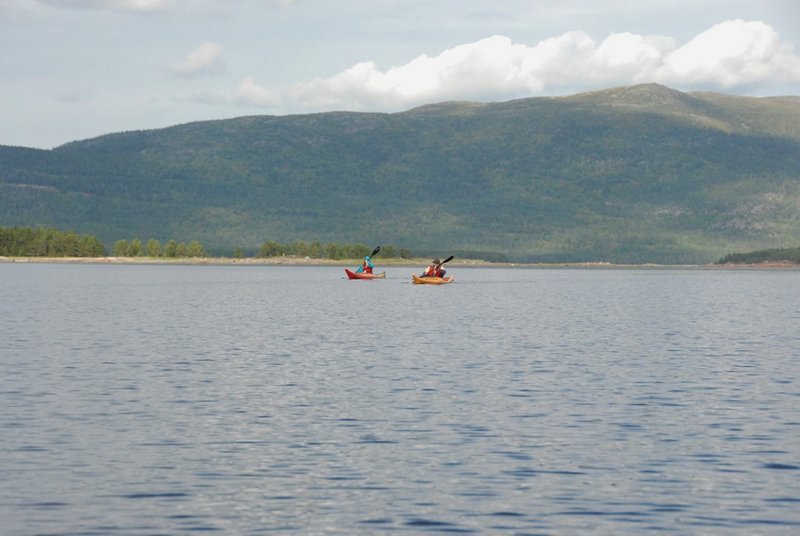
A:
252, 400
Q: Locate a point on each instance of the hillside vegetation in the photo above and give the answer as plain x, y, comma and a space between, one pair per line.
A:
636, 174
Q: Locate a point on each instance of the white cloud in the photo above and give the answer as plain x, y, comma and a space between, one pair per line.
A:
205, 58
141, 6
631, 56
250, 93
149, 6
493, 65
729, 55
733, 53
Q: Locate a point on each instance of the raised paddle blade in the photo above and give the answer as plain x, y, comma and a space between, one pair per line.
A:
375, 251
448, 259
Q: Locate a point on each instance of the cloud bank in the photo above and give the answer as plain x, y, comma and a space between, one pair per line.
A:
730, 55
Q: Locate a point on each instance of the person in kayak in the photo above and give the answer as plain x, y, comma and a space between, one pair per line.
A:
434, 270
366, 266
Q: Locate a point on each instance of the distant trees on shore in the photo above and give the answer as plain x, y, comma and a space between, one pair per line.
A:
47, 242
333, 251
763, 255
153, 248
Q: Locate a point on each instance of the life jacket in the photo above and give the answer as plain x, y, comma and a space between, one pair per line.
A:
433, 270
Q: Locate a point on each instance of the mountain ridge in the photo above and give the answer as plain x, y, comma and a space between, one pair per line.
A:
634, 174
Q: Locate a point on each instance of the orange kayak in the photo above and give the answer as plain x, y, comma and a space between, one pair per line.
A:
417, 280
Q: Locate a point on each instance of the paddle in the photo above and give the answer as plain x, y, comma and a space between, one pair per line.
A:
448, 259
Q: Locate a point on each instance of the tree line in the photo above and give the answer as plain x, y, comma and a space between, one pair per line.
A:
332, 250
47, 242
153, 248
763, 255
271, 248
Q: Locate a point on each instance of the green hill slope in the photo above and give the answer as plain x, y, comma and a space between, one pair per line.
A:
637, 174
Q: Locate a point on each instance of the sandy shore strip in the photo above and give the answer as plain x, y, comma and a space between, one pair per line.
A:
308, 261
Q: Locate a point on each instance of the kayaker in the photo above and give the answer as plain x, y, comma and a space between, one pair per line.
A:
435, 269
366, 266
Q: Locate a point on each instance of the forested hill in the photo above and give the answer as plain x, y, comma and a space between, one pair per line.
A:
635, 174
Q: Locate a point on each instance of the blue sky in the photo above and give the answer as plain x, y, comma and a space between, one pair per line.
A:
74, 69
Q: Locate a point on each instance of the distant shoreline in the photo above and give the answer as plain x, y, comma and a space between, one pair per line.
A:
307, 261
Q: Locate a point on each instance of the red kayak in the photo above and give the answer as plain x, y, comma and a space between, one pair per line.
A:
363, 275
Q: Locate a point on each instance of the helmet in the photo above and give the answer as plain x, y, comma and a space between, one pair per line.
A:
436, 261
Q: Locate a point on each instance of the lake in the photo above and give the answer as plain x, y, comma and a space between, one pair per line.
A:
258, 400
